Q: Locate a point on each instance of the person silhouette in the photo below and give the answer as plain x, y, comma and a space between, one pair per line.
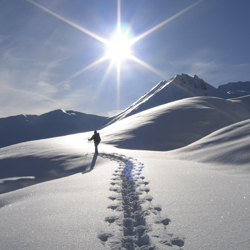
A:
96, 137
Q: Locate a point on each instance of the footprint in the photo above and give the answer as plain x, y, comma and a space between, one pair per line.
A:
134, 230
111, 219
104, 237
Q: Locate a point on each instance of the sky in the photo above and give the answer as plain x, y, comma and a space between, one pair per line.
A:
56, 54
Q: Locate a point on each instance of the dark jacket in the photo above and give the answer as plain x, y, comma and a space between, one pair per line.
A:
96, 137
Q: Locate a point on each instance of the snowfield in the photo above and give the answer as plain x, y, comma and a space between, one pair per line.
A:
175, 176
176, 124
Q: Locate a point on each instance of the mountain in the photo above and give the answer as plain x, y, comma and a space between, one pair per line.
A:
21, 128
234, 89
173, 176
179, 87
176, 124
56, 193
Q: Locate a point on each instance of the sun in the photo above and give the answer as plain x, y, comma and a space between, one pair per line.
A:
118, 48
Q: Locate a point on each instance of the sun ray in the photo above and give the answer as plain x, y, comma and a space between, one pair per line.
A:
136, 39
38, 96
118, 65
118, 68
120, 39
118, 16
90, 33
147, 66
83, 70
111, 64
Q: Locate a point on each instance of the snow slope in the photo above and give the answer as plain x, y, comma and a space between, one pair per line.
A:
176, 88
229, 145
21, 128
56, 194
175, 124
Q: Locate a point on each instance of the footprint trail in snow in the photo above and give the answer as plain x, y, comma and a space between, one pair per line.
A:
136, 224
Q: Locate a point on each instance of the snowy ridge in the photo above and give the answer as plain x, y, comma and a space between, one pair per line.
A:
135, 214
141, 100
56, 193
222, 146
21, 128
175, 124
176, 88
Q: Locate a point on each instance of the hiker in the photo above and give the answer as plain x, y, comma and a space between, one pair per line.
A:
96, 137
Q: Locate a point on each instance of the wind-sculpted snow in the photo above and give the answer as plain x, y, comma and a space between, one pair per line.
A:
33, 162
229, 145
176, 124
89, 210
136, 223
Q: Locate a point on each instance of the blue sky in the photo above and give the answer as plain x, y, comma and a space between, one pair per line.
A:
43, 53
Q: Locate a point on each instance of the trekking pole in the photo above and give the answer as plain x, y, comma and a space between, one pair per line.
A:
86, 155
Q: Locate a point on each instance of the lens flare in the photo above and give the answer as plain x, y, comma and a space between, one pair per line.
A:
119, 47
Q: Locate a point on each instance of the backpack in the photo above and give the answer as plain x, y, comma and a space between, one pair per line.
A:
97, 137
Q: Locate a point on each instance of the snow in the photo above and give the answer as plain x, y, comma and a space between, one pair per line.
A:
21, 128
181, 87
174, 176
60, 214
207, 205
176, 88
235, 89
229, 145
176, 124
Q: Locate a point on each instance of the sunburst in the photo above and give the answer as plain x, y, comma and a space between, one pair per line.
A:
119, 47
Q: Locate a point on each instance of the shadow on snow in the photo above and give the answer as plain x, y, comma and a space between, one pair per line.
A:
16, 173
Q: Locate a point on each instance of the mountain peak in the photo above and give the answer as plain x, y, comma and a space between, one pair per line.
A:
179, 87
194, 85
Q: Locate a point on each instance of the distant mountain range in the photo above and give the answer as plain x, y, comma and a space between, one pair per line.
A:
21, 128
235, 89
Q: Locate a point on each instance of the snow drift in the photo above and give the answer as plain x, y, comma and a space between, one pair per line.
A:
175, 124
166, 127
229, 145
56, 193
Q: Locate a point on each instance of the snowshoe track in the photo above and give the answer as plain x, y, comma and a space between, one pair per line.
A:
135, 217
